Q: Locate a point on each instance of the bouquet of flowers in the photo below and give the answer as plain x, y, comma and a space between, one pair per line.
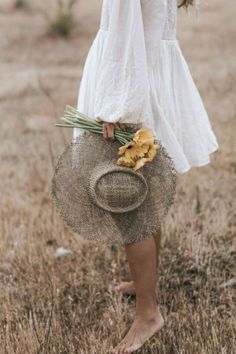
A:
137, 148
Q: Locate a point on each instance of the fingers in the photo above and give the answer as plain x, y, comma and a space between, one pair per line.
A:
111, 131
120, 126
108, 131
117, 126
104, 130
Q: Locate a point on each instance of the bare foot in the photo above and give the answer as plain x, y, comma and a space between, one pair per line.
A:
143, 328
126, 287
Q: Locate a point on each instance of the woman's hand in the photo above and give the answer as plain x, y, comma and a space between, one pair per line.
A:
109, 129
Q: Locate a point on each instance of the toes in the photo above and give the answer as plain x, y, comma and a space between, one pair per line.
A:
117, 287
123, 351
117, 284
125, 346
120, 287
119, 349
132, 349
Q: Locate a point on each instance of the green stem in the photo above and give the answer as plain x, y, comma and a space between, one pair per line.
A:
76, 119
74, 113
81, 125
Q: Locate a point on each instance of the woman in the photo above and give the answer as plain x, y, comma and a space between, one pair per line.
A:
135, 73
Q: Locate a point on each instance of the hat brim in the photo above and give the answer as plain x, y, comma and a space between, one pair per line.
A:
75, 205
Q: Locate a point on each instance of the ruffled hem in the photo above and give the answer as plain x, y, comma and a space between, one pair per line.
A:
180, 120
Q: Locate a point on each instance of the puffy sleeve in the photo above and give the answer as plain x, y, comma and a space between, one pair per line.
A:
122, 87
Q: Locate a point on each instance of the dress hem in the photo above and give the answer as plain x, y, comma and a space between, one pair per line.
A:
200, 164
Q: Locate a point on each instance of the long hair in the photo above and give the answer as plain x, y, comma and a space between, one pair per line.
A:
186, 3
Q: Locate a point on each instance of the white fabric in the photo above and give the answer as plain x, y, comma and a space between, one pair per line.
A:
122, 84
135, 73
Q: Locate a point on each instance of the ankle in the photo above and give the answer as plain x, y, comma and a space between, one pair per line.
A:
147, 309
147, 315
148, 301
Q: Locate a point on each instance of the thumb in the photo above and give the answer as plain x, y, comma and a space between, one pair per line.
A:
120, 126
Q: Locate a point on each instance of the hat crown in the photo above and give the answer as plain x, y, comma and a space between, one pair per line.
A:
117, 189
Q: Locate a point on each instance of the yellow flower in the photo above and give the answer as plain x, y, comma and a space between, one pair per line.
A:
142, 150
132, 150
125, 161
123, 148
139, 151
144, 136
153, 150
140, 163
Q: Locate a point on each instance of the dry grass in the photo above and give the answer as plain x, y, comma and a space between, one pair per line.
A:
65, 305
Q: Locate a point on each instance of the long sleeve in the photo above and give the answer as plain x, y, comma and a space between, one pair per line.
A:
122, 87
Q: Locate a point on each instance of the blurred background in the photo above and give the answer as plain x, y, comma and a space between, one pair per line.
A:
56, 289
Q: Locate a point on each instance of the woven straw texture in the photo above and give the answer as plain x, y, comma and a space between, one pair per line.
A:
78, 192
117, 189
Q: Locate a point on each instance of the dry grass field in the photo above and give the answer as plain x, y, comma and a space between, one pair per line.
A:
66, 305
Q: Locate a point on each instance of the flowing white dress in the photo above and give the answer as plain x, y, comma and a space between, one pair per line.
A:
135, 73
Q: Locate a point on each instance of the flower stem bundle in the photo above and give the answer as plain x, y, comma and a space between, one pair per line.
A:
74, 119
138, 148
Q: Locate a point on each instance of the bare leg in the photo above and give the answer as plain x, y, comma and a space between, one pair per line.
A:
127, 287
157, 239
142, 258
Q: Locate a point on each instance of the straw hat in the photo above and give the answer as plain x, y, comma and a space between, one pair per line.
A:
108, 203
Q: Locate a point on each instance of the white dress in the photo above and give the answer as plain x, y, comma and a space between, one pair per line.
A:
135, 73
